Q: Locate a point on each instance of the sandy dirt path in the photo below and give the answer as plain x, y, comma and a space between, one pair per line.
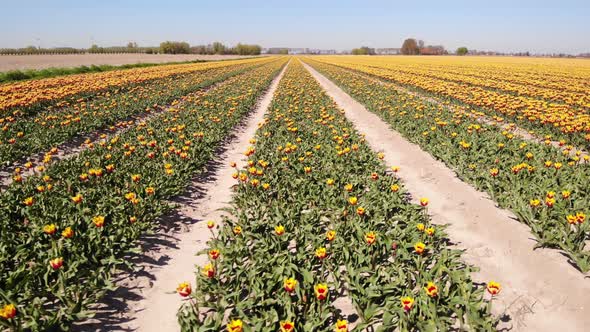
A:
13, 62
148, 301
541, 291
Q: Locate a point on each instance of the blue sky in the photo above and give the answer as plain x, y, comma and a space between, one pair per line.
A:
537, 26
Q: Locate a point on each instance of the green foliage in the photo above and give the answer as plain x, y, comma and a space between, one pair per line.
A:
359, 51
462, 50
218, 48
245, 49
364, 50
174, 47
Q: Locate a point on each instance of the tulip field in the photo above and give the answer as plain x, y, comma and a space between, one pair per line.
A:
546, 187
320, 232
317, 213
67, 226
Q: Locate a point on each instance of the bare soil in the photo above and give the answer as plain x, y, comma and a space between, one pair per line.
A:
540, 290
13, 62
146, 299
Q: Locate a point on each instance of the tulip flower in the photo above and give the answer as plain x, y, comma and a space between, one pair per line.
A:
321, 291
581, 217
431, 289
493, 288
56, 263
320, 253
419, 248
8, 311
287, 326
49, 229
235, 326
289, 284
67, 233
407, 303
77, 199
210, 224
331, 235
98, 221
237, 230
279, 230
29, 201
420, 227
184, 289
424, 201
430, 231
208, 270
360, 211
352, 200
214, 254
370, 238
341, 326
549, 202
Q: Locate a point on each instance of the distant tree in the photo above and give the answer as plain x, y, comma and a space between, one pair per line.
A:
131, 45
245, 49
359, 51
218, 48
462, 50
410, 47
284, 51
432, 50
94, 49
173, 47
364, 50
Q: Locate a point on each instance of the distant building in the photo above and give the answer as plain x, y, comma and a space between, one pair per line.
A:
298, 50
387, 51
274, 50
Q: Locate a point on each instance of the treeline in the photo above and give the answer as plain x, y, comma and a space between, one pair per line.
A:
167, 47
412, 46
219, 48
363, 50
37, 50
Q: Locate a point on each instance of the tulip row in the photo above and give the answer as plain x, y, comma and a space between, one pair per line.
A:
317, 220
566, 122
31, 96
499, 80
544, 186
39, 132
63, 232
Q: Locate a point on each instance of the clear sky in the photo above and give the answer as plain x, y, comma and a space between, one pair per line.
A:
536, 26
